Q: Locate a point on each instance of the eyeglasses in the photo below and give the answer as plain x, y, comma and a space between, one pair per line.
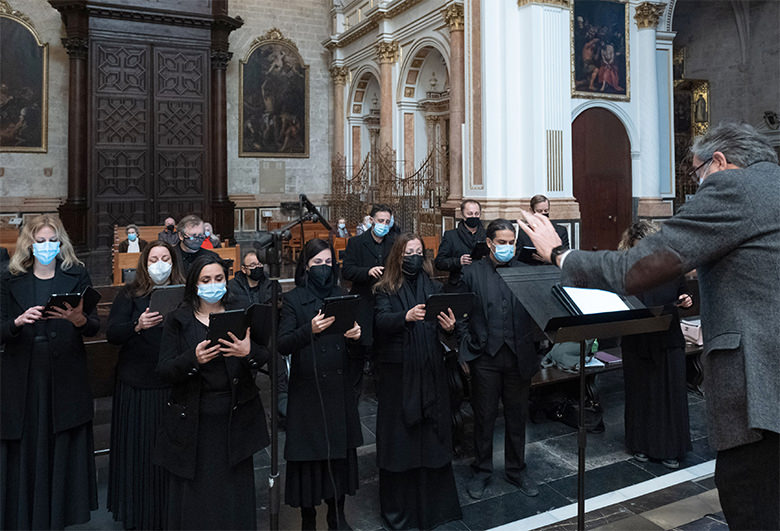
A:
694, 173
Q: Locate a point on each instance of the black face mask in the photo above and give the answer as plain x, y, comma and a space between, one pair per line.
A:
471, 223
169, 228
546, 214
193, 244
321, 276
257, 274
412, 265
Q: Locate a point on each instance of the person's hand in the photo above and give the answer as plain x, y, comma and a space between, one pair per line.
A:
465, 259
30, 315
204, 353
541, 232
148, 320
447, 320
353, 333
416, 313
684, 301
376, 271
319, 322
239, 348
74, 315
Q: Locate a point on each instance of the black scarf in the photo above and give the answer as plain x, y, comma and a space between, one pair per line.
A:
469, 239
421, 354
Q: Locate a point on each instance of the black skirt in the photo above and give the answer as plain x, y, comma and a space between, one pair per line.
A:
421, 498
137, 488
220, 496
47, 480
307, 483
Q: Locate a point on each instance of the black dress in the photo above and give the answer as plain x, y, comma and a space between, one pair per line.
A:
414, 433
137, 488
315, 463
656, 414
47, 464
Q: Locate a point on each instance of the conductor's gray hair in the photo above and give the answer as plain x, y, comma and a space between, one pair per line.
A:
741, 144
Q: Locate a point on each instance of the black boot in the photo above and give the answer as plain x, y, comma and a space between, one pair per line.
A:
308, 518
334, 513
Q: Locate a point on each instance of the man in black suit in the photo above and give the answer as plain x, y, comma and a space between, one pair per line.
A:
539, 205
456, 244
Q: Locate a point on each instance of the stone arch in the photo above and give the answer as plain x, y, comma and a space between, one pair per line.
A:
413, 63
358, 98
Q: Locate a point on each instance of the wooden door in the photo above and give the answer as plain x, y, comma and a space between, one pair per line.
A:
601, 156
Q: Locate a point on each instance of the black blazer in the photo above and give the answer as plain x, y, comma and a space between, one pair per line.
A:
454, 244
177, 443
71, 394
473, 331
327, 353
242, 296
140, 351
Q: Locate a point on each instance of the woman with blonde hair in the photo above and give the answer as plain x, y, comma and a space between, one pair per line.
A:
47, 466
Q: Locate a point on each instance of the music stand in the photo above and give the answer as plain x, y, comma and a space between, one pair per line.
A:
532, 285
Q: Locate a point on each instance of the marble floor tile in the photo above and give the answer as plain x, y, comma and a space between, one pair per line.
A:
632, 523
680, 512
601, 480
509, 507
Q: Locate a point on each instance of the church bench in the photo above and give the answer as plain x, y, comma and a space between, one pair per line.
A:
123, 261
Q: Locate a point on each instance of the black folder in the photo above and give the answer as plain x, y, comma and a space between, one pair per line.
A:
345, 308
165, 299
89, 294
480, 251
461, 304
236, 321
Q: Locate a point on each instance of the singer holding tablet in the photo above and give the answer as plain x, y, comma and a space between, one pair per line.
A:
213, 421
137, 488
47, 466
323, 425
414, 426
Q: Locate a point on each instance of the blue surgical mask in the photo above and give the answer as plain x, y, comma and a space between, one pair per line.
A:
342, 225
207, 233
380, 229
132, 237
45, 252
504, 253
213, 292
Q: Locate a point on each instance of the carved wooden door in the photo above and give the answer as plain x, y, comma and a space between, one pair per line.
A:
149, 129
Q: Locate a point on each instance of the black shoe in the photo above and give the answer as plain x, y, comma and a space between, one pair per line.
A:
526, 485
334, 523
308, 518
476, 487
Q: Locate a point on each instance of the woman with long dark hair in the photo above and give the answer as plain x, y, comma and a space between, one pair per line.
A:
414, 432
213, 421
137, 488
47, 464
323, 425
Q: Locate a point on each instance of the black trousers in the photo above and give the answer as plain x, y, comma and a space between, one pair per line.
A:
494, 378
747, 478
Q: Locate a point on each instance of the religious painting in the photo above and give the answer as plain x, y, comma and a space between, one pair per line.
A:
23, 84
273, 99
599, 52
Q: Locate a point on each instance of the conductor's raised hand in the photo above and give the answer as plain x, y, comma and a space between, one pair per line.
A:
541, 232
684, 301
446, 320
148, 319
353, 333
73, 314
319, 322
239, 348
30, 315
416, 313
204, 353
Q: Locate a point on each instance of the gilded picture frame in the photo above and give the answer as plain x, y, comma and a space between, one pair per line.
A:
24, 98
600, 50
273, 99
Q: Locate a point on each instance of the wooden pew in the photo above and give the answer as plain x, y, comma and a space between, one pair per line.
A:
130, 261
431, 244
8, 237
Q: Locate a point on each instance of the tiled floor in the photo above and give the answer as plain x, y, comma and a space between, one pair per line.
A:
552, 460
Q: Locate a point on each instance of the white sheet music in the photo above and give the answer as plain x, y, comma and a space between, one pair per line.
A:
596, 300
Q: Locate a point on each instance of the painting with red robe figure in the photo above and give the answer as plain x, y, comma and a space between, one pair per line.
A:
600, 49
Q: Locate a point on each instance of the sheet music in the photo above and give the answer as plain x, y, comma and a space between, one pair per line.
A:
596, 300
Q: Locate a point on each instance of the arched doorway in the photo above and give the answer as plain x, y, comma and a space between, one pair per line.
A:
601, 172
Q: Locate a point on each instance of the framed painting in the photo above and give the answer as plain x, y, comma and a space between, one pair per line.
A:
600, 50
23, 84
273, 99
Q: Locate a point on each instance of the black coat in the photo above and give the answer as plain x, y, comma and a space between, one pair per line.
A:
473, 331
71, 395
140, 351
187, 259
176, 447
454, 244
361, 255
243, 296
325, 359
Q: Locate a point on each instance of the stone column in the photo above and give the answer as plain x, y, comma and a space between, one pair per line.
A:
339, 75
646, 94
453, 15
387, 54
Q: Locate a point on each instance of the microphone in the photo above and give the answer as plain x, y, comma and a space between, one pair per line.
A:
314, 212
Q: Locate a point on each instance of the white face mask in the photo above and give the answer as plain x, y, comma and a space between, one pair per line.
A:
160, 271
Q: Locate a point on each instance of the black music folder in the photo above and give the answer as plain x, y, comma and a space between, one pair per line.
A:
345, 308
460, 303
89, 294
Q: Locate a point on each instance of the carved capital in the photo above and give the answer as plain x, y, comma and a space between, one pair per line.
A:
77, 47
339, 74
453, 16
220, 59
647, 14
387, 52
